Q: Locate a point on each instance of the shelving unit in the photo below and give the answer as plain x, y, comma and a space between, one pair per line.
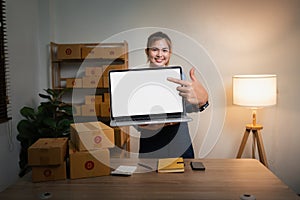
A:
84, 67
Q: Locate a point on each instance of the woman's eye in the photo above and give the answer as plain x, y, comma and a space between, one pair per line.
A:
154, 49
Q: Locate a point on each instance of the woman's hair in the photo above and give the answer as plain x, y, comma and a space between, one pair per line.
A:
158, 36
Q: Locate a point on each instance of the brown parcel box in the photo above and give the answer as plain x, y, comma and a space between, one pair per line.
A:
69, 51
93, 71
49, 173
47, 151
93, 99
92, 82
92, 135
74, 83
90, 110
92, 163
105, 109
103, 51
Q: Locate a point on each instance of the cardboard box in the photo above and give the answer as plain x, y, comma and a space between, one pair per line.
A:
47, 151
91, 52
106, 52
105, 81
113, 52
92, 163
92, 82
105, 109
74, 83
106, 97
93, 99
76, 110
120, 137
49, 173
69, 51
91, 136
90, 110
107, 68
93, 71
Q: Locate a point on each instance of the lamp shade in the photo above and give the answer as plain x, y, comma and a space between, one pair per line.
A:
254, 90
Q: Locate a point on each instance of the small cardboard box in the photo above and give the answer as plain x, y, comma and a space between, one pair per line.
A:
76, 110
92, 163
107, 68
47, 151
106, 52
91, 52
113, 52
105, 81
69, 51
105, 109
49, 173
74, 83
120, 137
92, 82
93, 71
93, 99
91, 136
106, 97
90, 110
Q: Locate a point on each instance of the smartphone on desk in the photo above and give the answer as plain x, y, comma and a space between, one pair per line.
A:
196, 165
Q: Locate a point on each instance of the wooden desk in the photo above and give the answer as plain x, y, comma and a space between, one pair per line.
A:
222, 179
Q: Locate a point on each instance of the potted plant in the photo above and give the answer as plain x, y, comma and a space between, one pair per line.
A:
51, 119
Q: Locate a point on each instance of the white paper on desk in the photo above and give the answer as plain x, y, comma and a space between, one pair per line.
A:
124, 170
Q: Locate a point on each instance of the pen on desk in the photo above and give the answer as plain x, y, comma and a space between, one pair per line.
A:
145, 166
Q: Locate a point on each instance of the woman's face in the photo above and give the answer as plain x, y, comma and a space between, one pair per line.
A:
159, 53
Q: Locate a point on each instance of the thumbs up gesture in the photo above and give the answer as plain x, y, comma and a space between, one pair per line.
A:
193, 91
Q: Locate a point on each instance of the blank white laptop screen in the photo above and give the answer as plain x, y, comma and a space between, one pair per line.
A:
145, 96
144, 92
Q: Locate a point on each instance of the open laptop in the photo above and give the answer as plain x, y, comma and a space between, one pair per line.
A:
145, 96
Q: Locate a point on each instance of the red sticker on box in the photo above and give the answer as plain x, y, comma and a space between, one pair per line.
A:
47, 172
68, 51
97, 139
111, 53
89, 165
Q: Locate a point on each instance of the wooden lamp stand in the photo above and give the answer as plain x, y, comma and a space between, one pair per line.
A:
257, 139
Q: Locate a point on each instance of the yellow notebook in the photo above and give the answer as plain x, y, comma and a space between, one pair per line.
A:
170, 165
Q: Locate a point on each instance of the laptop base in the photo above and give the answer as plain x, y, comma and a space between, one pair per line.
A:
115, 123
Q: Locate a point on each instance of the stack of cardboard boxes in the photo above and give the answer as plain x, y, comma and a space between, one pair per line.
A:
47, 156
95, 77
89, 149
88, 153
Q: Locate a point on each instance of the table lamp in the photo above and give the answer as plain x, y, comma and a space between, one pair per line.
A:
254, 91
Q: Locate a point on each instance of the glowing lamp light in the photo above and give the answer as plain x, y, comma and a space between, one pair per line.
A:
254, 90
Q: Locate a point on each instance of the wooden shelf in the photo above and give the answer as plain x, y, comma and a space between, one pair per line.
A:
70, 63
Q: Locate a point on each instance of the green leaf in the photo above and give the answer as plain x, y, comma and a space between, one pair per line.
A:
62, 92
28, 113
62, 124
50, 91
46, 132
44, 112
67, 109
50, 122
26, 130
45, 96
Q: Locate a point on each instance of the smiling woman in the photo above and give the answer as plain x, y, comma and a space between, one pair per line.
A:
4, 99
